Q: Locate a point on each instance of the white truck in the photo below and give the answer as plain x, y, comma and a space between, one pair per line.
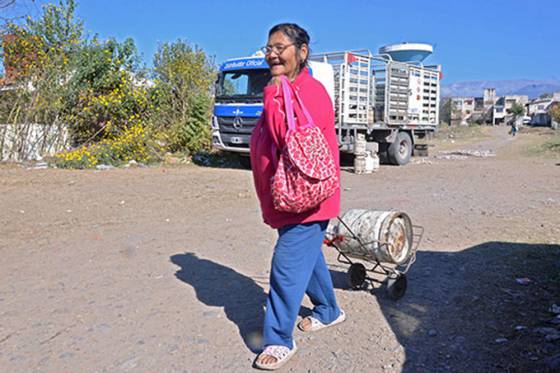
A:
392, 103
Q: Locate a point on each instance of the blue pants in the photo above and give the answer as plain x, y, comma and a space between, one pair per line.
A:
298, 268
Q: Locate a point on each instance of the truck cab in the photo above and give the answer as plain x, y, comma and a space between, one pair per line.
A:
238, 102
239, 99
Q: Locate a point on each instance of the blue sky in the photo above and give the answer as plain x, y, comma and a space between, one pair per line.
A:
475, 39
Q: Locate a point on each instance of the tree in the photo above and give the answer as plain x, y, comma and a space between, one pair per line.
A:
105, 93
61, 78
36, 55
6, 3
555, 113
516, 109
97, 89
5, 7
93, 85
36, 58
445, 110
183, 77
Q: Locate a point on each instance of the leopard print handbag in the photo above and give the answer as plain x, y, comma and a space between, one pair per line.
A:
306, 173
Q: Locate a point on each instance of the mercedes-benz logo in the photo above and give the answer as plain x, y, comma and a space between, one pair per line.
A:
237, 122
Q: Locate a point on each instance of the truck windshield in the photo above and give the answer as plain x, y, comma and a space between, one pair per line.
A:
243, 83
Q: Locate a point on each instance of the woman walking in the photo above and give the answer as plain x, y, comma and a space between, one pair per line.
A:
298, 266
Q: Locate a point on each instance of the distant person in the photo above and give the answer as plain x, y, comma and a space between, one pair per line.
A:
514, 127
298, 266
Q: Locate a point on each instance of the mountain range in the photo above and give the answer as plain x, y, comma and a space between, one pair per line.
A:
531, 88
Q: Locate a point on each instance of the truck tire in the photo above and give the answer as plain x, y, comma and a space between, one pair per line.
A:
245, 161
400, 151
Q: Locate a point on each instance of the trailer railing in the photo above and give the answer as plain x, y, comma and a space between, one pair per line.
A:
374, 89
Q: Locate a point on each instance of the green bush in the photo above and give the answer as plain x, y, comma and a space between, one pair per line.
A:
183, 77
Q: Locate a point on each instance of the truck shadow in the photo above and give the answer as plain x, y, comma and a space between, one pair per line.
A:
242, 299
217, 159
477, 309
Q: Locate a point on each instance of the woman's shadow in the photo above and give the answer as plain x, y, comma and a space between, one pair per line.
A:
241, 297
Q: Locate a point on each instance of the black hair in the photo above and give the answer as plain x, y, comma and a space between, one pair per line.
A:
296, 34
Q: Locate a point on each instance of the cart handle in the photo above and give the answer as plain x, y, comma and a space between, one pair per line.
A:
334, 240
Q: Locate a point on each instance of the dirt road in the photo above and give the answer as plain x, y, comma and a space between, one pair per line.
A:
166, 269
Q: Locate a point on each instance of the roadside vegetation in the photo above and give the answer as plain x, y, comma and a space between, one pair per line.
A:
553, 145
543, 142
115, 109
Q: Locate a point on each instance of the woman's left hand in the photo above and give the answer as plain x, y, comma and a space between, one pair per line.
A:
275, 81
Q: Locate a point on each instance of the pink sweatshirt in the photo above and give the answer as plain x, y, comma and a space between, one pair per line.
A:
268, 138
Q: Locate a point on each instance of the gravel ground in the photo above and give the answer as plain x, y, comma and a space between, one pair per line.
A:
166, 269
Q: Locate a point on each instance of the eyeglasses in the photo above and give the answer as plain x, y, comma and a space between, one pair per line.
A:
278, 49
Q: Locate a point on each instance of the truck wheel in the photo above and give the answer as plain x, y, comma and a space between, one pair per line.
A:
400, 150
245, 162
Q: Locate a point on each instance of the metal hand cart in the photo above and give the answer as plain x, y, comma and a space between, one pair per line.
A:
369, 237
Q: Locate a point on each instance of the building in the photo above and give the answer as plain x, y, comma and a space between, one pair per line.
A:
462, 108
488, 109
541, 105
489, 97
539, 109
503, 106
466, 110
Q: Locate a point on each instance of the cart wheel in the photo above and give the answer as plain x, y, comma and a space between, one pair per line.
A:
396, 287
356, 275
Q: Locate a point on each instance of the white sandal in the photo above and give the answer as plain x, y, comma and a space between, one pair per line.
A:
317, 325
281, 353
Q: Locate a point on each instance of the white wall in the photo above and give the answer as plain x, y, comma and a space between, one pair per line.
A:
24, 142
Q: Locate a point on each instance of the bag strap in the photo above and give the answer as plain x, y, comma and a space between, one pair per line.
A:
289, 107
288, 102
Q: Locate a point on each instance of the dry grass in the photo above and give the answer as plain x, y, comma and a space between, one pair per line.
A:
463, 132
542, 142
448, 137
